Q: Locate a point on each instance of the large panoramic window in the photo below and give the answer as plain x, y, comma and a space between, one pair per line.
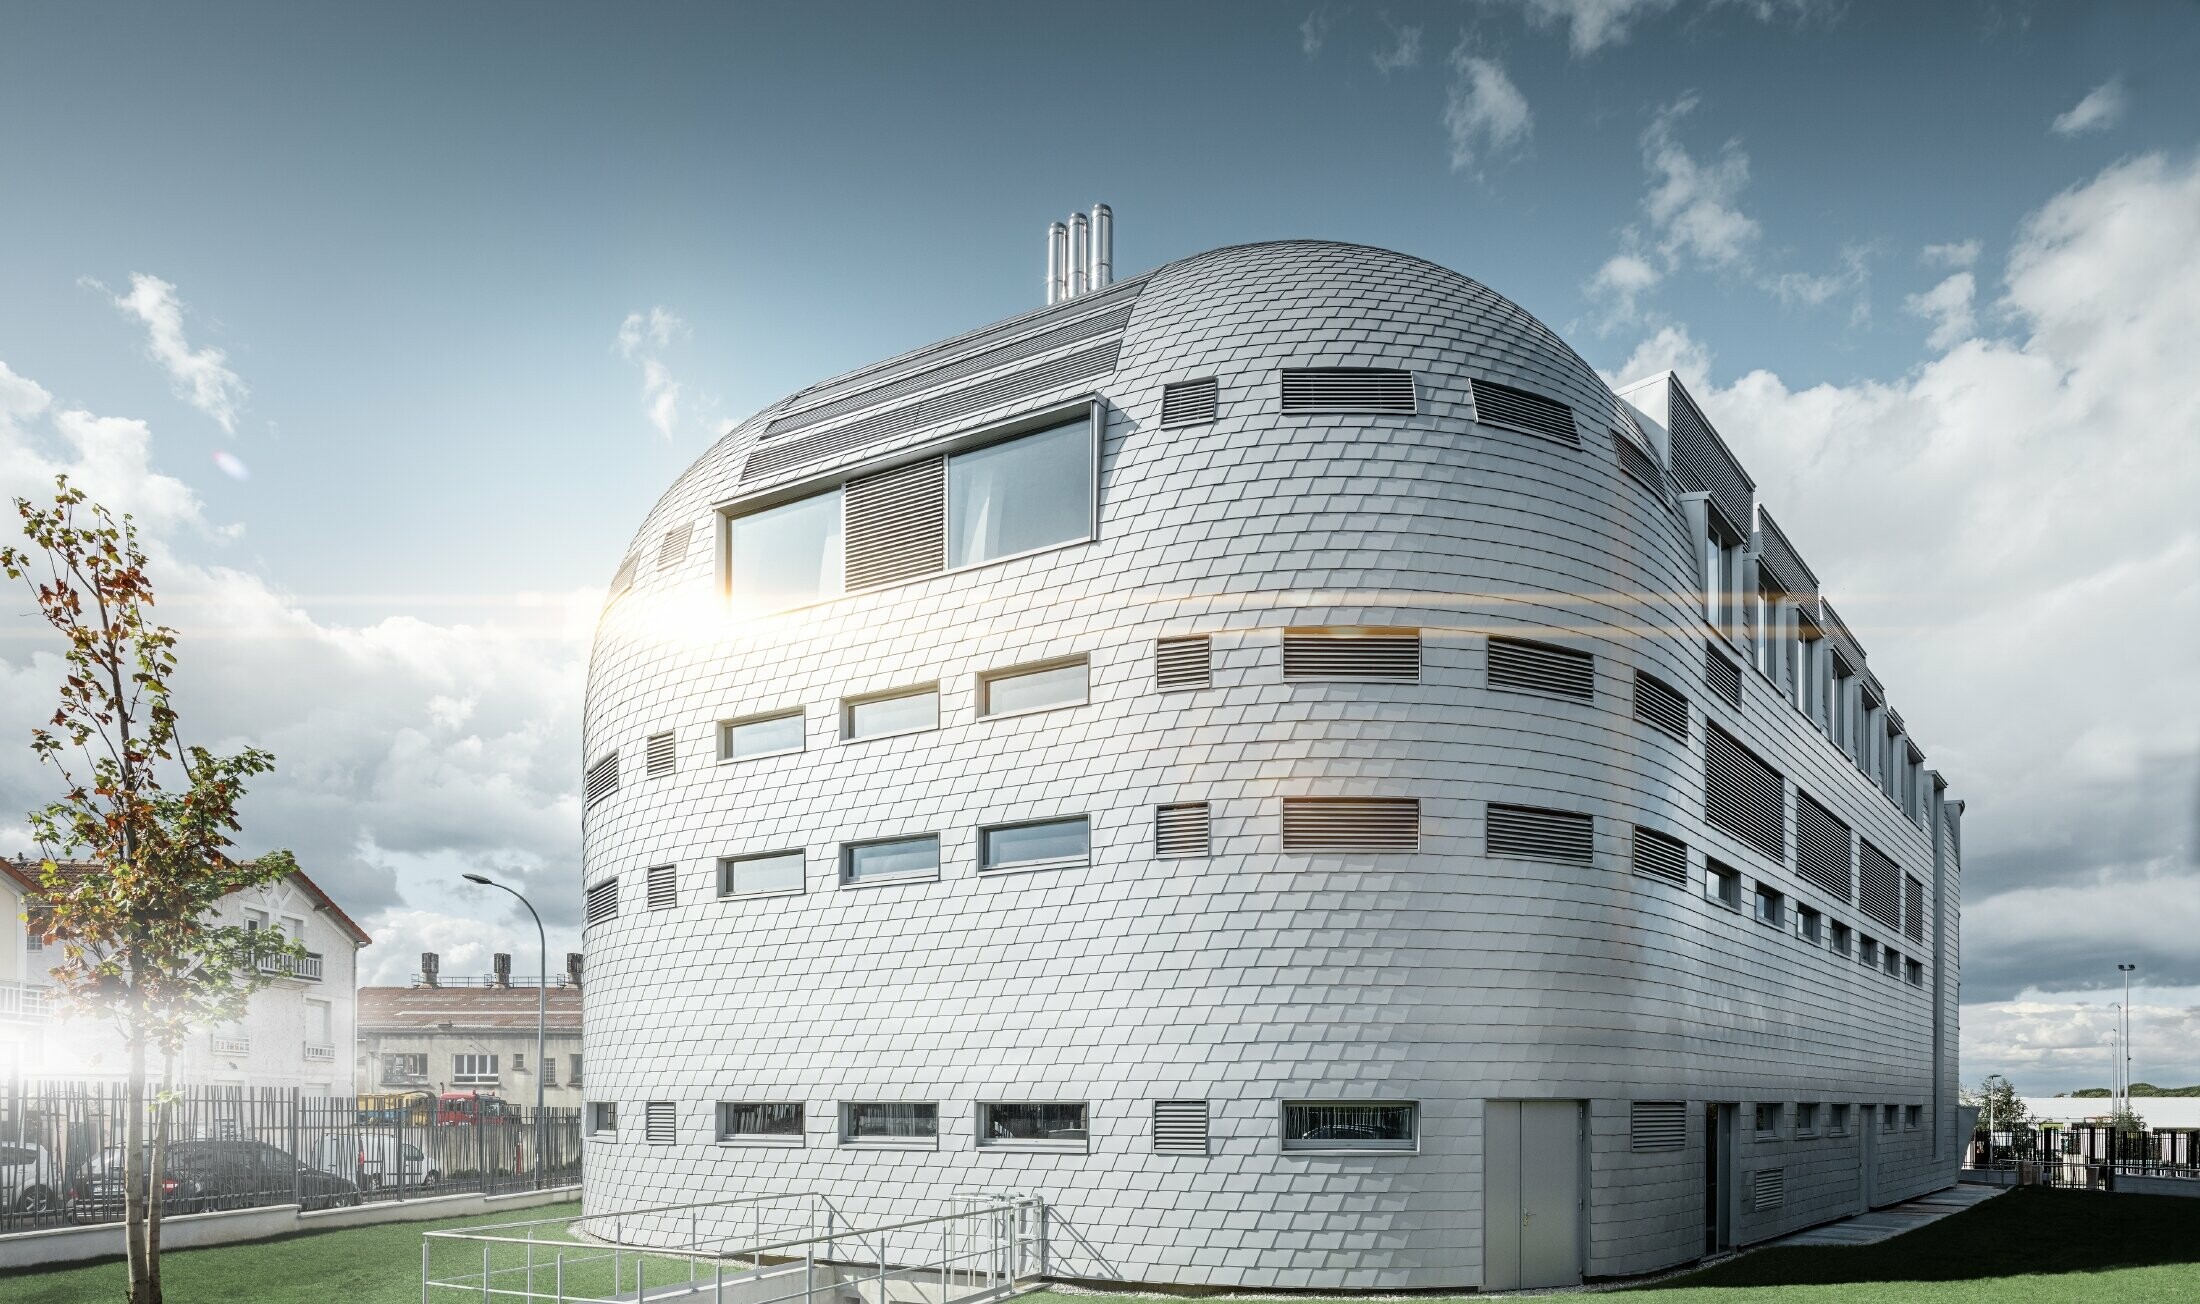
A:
1037, 845
1020, 494
1344, 1126
787, 555
865, 862
1034, 1125
890, 1121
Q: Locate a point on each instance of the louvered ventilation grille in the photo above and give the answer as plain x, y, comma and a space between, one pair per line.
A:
1878, 881
1768, 1188
622, 580
1913, 909
662, 755
1184, 661
1661, 856
1531, 833
1724, 677
603, 902
1348, 389
1502, 405
1392, 656
1183, 829
674, 549
897, 524
1660, 705
1351, 824
1742, 794
1188, 403
1638, 463
1822, 848
602, 780
664, 887
1657, 1125
1180, 1127
1526, 667
660, 1125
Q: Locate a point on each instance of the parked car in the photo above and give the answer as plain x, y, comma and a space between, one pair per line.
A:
203, 1176
454, 1108
375, 1160
29, 1182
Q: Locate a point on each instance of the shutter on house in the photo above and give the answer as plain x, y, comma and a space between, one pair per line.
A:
622, 580
664, 886
602, 780
1521, 666
1638, 463
1822, 848
660, 1125
1351, 824
896, 524
1878, 881
1517, 409
1722, 675
1657, 1125
661, 755
1661, 856
603, 902
674, 549
1180, 1127
1660, 705
1377, 655
1183, 661
1742, 794
1181, 830
1188, 403
1913, 909
1532, 833
1348, 389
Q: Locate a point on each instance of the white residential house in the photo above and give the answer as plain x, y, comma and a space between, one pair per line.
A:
297, 1031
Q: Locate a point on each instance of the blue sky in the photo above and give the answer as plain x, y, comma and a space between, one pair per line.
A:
463, 287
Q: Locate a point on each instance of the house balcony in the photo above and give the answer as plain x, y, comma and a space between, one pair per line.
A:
23, 1003
228, 1045
316, 1053
306, 968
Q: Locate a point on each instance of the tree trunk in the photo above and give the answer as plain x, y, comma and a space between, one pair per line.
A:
137, 1227
156, 1196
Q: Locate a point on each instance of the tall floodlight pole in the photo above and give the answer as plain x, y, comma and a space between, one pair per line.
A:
542, 1007
2126, 969
1988, 1083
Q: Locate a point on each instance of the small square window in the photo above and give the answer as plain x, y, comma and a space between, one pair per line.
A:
763, 735
1912, 1116
1034, 688
1867, 951
890, 858
603, 1116
1350, 1126
1722, 885
770, 873
1041, 844
1031, 1126
890, 1122
1886, 1118
1838, 1123
1892, 965
1809, 925
1768, 1120
908, 710
1806, 1119
1841, 939
1771, 907
1914, 971
763, 1122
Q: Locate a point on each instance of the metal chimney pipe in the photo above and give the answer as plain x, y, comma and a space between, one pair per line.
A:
503, 966
1080, 255
428, 967
1103, 246
1057, 263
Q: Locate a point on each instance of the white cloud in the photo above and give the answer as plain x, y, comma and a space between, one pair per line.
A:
2102, 108
643, 337
1484, 112
1404, 50
1669, 348
2048, 1043
1593, 24
1948, 307
1956, 254
1313, 32
202, 376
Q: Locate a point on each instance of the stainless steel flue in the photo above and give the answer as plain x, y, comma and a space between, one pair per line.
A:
1057, 263
1103, 246
1080, 255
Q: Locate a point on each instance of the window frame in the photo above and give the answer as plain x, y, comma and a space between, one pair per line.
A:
780, 1140
842, 1117
1079, 1146
1769, 905
1722, 885
845, 861
603, 1118
1026, 866
1913, 1117
1334, 1146
849, 704
1837, 1120
987, 678
1840, 939
474, 1075
837, 486
725, 875
1806, 1118
1757, 1124
726, 728
1810, 925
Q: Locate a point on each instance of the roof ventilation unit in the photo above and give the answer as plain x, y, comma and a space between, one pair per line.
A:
1080, 255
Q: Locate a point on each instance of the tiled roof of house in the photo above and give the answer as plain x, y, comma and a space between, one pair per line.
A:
427, 1008
26, 872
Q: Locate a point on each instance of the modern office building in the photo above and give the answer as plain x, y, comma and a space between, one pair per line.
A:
1274, 756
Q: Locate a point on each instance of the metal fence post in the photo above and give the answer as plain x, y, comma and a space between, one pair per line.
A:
297, 1158
424, 1244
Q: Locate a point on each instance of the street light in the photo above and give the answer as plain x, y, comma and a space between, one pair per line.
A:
1988, 1083
2126, 970
542, 1007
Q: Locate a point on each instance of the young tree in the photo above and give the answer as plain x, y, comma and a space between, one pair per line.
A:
1998, 1103
136, 849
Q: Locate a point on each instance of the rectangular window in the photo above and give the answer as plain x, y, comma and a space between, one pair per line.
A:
1840, 939
550, 1071
770, 1122
1722, 884
1886, 1118
1838, 1123
1349, 1126
1180, 1127
760, 875
1353, 654
473, 1070
1768, 1120
404, 1069
1912, 1116
603, 1115
1041, 844
1034, 688
1771, 907
890, 1121
1867, 951
320, 1023
764, 735
1182, 830
519, 1062
1914, 972
1021, 494
575, 1079
1032, 1126
1182, 662
891, 858
787, 555
1351, 824
1806, 1119
1810, 925
1892, 965
905, 710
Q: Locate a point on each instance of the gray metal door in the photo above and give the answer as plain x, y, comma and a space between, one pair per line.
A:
1868, 1171
1531, 1194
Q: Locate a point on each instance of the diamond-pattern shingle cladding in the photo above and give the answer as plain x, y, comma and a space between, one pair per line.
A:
1247, 976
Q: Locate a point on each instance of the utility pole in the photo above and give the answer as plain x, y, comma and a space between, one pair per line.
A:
2126, 969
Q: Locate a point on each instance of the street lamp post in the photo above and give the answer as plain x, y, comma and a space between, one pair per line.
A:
1988, 1083
542, 1007
2126, 970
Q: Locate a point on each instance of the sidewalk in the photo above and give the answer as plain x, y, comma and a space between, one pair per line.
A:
1879, 1224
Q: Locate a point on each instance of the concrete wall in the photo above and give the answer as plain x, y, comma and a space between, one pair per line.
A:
440, 1047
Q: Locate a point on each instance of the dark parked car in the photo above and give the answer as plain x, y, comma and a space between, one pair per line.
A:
201, 1176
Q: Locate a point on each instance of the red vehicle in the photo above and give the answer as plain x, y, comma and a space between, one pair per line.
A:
463, 1107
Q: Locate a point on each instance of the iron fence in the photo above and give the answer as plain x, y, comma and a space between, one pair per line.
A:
62, 1147
2084, 1155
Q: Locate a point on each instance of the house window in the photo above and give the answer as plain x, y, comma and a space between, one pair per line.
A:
1892, 965
1912, 1115
891, 858
473, 1070
603, 1116
1806, 1119
787, 555
1021, 494
1867, 951
1037, 845
1722, 884
1886, 1118
905, 710
1842, 939
575, 1079
519, 1062
549, 1070
320, 1026
1350, 1126
905, 1121
776, 1122
1838, 1124
1914, 972
405, 1069
1033, 688
1809, 925
1771, 906
765, 735
770, 872
1768, 1120
1021, 1125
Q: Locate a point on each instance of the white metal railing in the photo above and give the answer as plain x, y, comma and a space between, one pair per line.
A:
232, 1045
769, 1249
306, 967
21, 1001
317, 1053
